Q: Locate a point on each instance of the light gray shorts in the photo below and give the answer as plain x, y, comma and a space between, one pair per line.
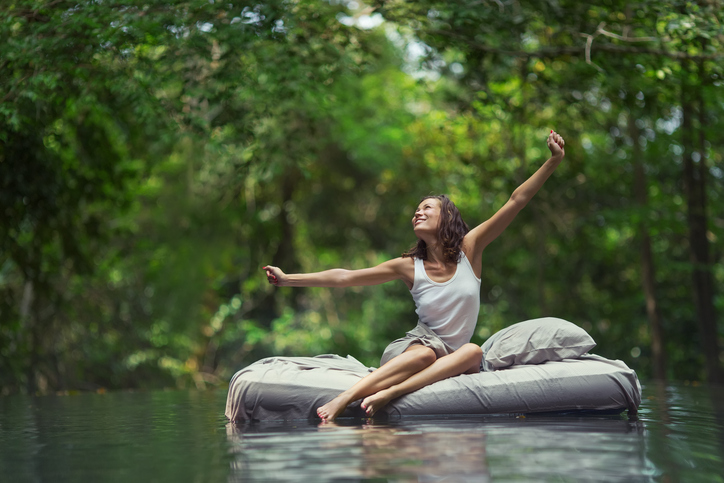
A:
420, 335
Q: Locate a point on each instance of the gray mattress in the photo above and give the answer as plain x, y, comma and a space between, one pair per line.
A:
294, 387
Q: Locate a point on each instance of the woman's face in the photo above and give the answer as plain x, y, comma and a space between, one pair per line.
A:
427, 217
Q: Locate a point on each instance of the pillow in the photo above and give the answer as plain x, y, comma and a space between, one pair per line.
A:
533, 342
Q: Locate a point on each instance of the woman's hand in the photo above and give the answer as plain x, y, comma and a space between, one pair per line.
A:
556, 144
275, 276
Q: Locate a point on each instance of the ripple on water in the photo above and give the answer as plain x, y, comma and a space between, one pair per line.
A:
474, 449
182, 436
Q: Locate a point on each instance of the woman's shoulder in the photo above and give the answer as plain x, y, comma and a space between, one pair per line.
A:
402, 262
467, 248
405, 268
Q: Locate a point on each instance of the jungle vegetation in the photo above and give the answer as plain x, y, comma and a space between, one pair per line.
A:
155, 154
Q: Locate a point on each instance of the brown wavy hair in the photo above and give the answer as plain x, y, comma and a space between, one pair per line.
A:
451, 231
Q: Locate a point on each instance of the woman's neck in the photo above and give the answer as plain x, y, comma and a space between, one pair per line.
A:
435, 253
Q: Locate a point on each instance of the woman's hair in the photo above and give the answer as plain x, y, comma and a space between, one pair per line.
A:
450, 232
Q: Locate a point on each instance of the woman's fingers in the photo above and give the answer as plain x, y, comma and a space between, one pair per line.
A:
557, 138
270, 276
556, 143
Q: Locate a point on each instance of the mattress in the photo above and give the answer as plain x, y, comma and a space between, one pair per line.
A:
294, 387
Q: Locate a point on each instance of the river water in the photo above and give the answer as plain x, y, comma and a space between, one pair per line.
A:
182, 436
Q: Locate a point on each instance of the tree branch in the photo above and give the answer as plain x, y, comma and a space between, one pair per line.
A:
625, 38
589, 43
600, 31
577, 50
10, 91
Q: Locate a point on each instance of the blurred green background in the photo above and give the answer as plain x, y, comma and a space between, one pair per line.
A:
155, 154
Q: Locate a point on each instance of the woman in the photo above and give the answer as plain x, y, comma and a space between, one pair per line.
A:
443, 274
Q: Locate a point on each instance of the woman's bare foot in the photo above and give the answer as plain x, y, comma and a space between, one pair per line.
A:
372, 404
333, 408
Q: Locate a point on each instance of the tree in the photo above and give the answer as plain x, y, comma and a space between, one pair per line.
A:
582, 55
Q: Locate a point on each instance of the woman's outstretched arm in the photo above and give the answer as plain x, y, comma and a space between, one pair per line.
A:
480, 236
398, 268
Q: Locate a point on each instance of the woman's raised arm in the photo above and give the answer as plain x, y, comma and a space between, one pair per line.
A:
394, 269
479, 237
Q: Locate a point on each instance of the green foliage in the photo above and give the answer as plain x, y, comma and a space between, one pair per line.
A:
154, 155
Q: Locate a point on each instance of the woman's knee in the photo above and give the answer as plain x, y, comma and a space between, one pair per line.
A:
472, 356
472, 352
424, 356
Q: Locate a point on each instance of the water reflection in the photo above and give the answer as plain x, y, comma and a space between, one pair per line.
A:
468, 449
145, 436
182, 436
685, 431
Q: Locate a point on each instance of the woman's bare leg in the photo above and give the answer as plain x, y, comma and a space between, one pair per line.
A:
464, 360
396, 370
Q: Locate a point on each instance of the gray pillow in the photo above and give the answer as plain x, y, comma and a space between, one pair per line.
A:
533, 342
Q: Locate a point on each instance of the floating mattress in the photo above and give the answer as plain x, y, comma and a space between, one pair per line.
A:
532, 380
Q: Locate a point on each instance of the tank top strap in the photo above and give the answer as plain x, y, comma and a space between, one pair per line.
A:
465, 261
419, 272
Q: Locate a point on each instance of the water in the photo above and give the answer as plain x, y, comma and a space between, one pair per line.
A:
183, 436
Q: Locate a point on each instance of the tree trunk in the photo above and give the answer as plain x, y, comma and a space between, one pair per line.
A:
695, 191
648, 271
285, 256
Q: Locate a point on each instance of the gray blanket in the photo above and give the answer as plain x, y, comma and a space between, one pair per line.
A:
294, 387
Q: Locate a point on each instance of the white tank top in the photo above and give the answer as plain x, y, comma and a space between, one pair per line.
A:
450, 309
